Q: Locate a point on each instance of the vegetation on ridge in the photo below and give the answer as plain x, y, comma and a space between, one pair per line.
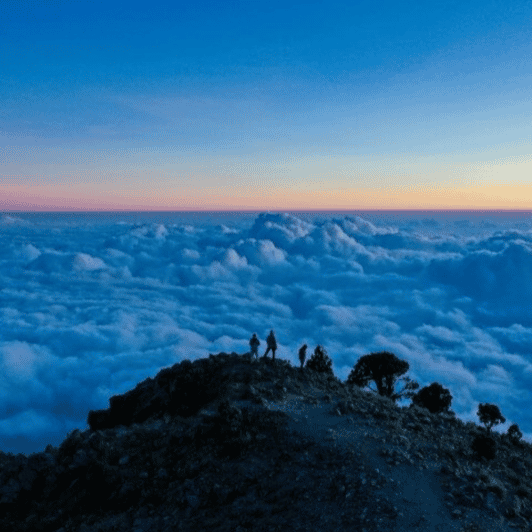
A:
183, 389
384, 368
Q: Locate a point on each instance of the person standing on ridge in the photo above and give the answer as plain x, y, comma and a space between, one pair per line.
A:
302, 354
272, 344
254, 344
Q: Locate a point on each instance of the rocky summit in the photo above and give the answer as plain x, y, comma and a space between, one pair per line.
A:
227, 443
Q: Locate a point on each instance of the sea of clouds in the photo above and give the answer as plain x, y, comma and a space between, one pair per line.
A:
90, 305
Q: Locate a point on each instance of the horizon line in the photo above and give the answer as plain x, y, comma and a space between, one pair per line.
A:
80, 211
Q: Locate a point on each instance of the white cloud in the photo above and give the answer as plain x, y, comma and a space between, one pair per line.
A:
281, 228
334, 239
18, 360
160, 232
234, 260
359, 225
190, 254
228, 345
270, 254
228, 230
28, 253
84, 262
516, 334
496, 376
11, 219
439, 333
85, 318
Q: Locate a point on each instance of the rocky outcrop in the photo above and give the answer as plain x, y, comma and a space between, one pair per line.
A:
196, 448
180, 390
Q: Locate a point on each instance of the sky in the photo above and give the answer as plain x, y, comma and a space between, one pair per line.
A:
208, 105
91, 304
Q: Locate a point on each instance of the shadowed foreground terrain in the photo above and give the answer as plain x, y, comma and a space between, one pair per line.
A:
227, 443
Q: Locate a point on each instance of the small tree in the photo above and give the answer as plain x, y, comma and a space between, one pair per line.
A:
435, 398
489, 415
383, 368
320, 361
514, 433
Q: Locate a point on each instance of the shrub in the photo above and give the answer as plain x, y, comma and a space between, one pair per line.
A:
435, 398
383, 368
320, 361
489, 415
484, 446
514, 433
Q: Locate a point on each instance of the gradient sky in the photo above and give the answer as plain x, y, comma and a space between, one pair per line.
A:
259, 105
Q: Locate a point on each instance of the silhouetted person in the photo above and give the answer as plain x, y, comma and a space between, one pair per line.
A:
302, 354
272, 344
254, 344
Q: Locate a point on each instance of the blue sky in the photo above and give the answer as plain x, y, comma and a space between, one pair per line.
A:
255, 105
93, 304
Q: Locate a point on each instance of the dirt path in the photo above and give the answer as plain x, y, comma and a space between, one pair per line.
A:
415, 491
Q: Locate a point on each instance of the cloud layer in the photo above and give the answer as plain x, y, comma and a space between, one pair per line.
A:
90, 308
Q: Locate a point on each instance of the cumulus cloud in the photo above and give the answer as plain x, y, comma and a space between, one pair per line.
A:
90, 310
84, 262
11, 219
18, 360
228, 230
261, 252
281, 228
27, 253
234, 260
490, 270
190, 254
440, 333
270, 254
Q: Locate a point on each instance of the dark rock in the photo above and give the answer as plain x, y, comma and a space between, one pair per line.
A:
179, 390
196, 448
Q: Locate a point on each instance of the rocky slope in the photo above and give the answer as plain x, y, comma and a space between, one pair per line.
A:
226, 443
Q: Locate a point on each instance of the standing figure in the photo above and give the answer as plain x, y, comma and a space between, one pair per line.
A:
302, 354
254, 344
272, 344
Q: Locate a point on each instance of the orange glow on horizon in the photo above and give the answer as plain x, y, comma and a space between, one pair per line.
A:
494, 197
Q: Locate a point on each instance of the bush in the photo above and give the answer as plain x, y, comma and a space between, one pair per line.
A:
514, 433
489, 415
484, 446
435, 398
383, 368
320, 361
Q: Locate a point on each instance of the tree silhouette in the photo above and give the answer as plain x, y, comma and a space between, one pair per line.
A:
383, 368
320, 361
489, 415
514, 433
435, 398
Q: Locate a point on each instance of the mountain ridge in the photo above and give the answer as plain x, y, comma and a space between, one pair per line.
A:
222, 443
